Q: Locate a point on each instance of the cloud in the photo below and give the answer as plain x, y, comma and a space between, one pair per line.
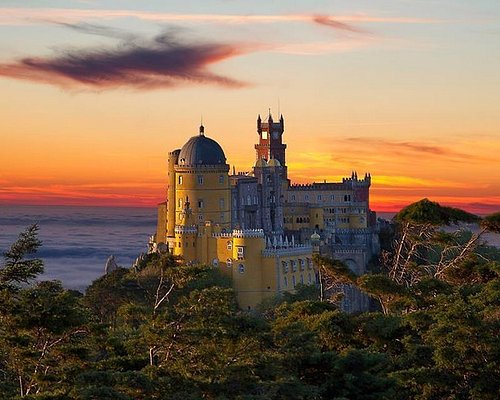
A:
405, 147
332, 23
21, 16
158, 63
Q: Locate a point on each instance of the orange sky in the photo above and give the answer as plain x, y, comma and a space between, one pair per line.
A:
409, 94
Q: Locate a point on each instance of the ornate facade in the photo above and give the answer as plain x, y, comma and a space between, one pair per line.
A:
257, 226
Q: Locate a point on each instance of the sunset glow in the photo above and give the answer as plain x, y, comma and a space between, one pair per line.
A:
94, 95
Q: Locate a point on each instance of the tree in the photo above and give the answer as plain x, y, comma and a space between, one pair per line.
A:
17, 267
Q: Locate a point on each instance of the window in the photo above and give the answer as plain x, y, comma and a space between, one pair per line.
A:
241, 268
294, 266
221, 179
200, 203
221, 204
249, 200
302, 264
293, 197
229, 262
222, 217
229, 245
215, 262
200, 179
200, 217
332, 197
285, 266
180, 203
180, 179
347, 197
285, 281
301, 278
293, 281
319, 197
241, 252
306, 197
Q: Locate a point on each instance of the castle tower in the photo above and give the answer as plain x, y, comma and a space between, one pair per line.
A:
270, 177
170, 215
271, 141
201, 181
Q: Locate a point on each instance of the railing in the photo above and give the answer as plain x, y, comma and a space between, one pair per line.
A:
287, 251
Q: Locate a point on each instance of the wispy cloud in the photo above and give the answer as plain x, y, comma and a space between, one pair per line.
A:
337, 25
16, 16
161, 62
388, 146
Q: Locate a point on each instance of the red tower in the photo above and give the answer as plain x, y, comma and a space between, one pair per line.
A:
271, 140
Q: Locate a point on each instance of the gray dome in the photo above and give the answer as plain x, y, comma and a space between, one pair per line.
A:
201, 150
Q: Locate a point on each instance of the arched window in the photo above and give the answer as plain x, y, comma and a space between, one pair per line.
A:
180, 179
285, 266
241, 269
229, 262
229, 245
215, 262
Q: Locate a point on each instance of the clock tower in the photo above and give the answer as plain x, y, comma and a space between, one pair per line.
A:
271, 144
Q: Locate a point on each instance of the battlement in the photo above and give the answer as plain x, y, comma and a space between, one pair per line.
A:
288, 251
346, 184
248, 233
182, 229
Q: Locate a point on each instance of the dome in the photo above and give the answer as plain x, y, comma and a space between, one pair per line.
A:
273, 162
261, 163
201, 150
315, 237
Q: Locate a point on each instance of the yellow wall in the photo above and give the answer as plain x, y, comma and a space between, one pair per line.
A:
248, 283
215, 196
161, 228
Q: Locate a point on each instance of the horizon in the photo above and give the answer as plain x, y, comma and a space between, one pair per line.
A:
403, 91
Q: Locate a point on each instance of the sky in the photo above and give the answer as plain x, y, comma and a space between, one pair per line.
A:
94, 94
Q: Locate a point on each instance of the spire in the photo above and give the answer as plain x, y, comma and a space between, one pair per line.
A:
202, 130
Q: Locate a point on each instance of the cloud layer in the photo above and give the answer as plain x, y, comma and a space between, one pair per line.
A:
157, 63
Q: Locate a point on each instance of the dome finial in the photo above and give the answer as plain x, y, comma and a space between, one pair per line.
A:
202, 130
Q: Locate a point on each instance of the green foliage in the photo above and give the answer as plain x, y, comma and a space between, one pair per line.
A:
335, 268
492, 222
173, 331
18, 268
429, 212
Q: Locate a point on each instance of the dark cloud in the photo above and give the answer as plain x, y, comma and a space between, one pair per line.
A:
342, 26
161, 62
98, 30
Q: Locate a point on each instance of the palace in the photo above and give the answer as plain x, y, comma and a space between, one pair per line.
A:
258, 227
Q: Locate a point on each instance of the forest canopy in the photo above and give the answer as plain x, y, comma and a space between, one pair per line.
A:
167, 330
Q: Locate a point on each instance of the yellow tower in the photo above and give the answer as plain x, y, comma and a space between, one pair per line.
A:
201, 180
